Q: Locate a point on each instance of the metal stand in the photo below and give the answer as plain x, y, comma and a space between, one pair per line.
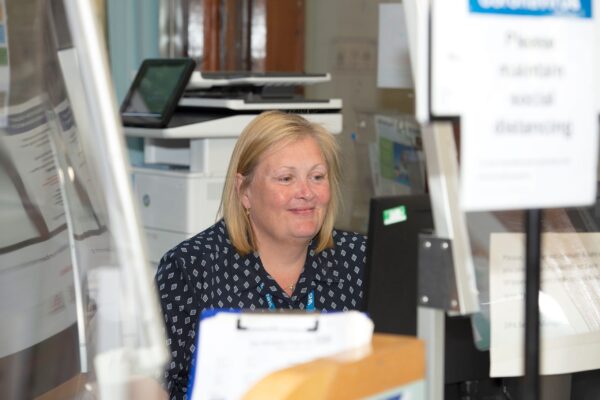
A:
451, 228
531, 389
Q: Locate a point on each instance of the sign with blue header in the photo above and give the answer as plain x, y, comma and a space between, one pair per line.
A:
521, 75
537, 8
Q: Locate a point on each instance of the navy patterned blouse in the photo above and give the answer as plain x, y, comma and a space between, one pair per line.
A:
206, 272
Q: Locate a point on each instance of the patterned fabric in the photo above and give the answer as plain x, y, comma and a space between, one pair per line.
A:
206, 272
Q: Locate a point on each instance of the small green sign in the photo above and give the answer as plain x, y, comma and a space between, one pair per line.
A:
394, 215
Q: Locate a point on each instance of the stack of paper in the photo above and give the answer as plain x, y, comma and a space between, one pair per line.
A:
236, 350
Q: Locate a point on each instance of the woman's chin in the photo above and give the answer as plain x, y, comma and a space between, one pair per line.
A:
306, 232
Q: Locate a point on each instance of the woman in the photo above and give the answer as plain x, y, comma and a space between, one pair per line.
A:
274, 248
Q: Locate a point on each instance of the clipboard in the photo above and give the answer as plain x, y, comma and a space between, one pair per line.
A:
236, 349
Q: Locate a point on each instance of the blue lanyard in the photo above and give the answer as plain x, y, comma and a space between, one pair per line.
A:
310, 304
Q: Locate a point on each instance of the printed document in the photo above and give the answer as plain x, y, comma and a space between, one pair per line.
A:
236, 350
569, 302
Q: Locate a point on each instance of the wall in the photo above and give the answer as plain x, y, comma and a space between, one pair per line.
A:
132, 37
341, 38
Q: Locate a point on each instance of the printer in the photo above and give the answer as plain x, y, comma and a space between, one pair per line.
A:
187, 153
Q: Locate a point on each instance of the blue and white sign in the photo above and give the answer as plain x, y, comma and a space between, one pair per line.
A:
555, 8
526, 101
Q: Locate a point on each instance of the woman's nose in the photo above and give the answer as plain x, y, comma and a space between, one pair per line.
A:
304, 189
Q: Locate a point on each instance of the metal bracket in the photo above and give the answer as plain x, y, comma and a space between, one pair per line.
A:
437, 282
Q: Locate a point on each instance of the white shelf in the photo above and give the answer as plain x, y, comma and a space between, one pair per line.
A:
226, 127
240, 104
197, 81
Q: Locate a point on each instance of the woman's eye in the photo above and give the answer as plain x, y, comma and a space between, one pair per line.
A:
284, 179
319, 177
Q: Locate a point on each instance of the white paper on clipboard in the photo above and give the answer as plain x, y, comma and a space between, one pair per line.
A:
236, 350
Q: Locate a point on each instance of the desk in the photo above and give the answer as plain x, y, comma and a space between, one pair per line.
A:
78, 388
394, 364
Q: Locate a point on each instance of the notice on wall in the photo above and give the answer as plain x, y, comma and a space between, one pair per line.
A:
397, 165
569, 302
393, 60
528, 115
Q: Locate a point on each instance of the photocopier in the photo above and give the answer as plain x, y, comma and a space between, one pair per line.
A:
179, 186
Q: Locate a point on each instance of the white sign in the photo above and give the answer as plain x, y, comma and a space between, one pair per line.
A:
569, 302
393, 61
448, 48
528, 112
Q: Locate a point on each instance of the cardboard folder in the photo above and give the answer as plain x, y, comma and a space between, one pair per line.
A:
393, 368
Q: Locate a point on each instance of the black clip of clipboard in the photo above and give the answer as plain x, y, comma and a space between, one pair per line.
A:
276, 325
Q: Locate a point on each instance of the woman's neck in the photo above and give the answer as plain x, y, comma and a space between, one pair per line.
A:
283, 262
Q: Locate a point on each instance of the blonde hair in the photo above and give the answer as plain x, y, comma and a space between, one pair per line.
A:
265, 131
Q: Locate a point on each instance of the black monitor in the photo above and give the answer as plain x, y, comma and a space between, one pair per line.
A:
392, 243
155, 92
391, 286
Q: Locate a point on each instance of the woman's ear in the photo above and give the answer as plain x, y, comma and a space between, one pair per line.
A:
242, 191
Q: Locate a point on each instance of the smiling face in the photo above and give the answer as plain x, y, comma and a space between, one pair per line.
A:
288, 194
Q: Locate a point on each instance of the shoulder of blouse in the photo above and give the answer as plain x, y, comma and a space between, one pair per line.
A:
350, 239
210, 241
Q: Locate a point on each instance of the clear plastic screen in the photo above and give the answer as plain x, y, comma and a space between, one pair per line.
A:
70, 295
569, 298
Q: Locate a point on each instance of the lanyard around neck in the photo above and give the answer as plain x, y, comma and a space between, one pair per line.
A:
310, 303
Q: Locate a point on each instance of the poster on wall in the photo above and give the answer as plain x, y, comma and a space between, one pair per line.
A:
396, 156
